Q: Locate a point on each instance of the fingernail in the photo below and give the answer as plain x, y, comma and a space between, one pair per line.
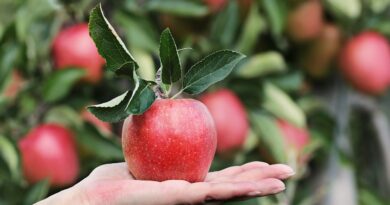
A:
278, 189
254, 193
284, 176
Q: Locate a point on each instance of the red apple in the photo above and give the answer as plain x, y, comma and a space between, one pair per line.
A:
322, 51
215, 5
102, 126
305, 21
14, 85
296, 138
48, 151
173, 139
74, 47
365, 61
230, 119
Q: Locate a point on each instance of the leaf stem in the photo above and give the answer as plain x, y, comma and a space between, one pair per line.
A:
177, 94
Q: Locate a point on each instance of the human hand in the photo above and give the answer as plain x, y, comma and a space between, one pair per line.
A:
113, 184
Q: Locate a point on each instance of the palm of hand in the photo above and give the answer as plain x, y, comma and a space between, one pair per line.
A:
113, 184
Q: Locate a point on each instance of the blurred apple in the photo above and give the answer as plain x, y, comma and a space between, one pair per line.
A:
215, 5
320, 53
48, 152
230, 119
295, 138
104, 127
13, 86
365, 61
305, 21
73, 47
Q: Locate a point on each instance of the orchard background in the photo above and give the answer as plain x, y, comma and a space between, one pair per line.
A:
314, 90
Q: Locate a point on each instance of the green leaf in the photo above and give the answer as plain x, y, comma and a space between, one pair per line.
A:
142, 98
210, 70
9, 54
38, 192
129, 103
109, 44
64, 115
179, 7
276, 11
113, 110
254, 25
139, 32
60, 82
262, 64
170, 62
94, 143
289, 82
347, 8
270, 135
10, 155
224, 28
281, 105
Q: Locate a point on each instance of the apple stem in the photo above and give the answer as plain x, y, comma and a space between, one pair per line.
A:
159, 91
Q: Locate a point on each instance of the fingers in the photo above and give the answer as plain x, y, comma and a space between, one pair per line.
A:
114, 171
231, 171
278, 171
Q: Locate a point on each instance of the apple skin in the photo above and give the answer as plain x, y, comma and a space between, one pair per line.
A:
102, 126
73, 47
48, 151
305, 22
365, 62
230, 119
322, 51
173, 139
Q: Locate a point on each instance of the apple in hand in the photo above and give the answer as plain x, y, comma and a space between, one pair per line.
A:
48, 152
305, 21
73, 47
173, 139
295, 138
230, 119
365, 61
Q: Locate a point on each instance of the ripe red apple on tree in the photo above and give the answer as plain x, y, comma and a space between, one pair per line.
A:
318, 56
365, 62
295, 138
73, 47
163, 137
305, 21
48, 152
215, 5
102, 126
13, 86
172, 138
230, 119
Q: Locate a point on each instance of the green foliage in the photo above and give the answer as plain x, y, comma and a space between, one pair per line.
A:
170, 62
210, 70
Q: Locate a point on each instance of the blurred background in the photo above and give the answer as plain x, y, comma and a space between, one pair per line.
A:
312, 92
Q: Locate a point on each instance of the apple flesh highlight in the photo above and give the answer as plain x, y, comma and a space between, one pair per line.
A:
173, 139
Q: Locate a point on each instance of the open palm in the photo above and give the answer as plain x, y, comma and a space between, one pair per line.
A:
113, 184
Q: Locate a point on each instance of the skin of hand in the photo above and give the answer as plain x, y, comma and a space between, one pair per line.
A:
113, 184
